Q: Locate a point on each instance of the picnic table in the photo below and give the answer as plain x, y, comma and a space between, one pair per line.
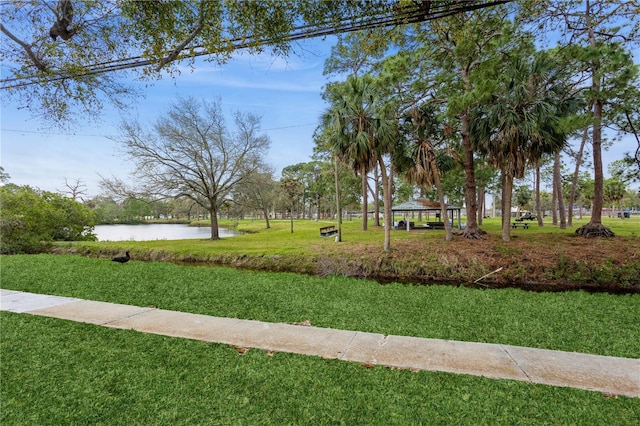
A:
527, 216
515, 225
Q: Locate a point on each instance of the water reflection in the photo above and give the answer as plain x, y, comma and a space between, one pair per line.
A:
154, 231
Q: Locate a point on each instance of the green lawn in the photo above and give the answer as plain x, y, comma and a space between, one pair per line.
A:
57, 372
60, 372
258, 240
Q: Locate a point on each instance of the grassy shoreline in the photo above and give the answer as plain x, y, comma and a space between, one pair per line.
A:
539, 259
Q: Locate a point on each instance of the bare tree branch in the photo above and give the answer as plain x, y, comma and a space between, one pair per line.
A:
26, 47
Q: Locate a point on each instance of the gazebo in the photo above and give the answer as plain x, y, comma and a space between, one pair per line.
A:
422, 205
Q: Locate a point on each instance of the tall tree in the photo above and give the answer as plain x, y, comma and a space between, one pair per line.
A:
75, 190
614, 191
292, 190
522, 197
557, 189
463, 49
611, 72
419, 159
257, 191
576, 174
350, 119
362, 130
522, 122
605, 30
192, 153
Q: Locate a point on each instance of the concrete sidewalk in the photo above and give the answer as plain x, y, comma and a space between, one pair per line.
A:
611, 375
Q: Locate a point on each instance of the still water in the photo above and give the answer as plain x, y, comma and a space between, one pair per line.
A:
149, 232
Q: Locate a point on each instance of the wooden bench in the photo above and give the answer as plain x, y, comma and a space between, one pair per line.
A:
328, 231
515, 225
435, 225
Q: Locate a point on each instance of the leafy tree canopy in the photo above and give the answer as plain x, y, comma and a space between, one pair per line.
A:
60, 57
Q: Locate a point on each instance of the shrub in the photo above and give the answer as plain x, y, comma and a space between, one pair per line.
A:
31, 219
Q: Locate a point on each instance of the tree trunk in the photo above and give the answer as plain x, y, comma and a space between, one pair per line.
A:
266, 217
557, 182
471, 231
576, 173
621, 209
291, 218
507, 190
376, 198
365, 198
443, 205
213, 213
481, 204
554, 202
386, 199
539, 212
595, 228
598, 177
336, 168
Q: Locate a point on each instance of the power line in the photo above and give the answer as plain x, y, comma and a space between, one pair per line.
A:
291, 127
409, 14
40, 132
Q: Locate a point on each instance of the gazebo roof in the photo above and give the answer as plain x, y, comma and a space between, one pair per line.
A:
420, 205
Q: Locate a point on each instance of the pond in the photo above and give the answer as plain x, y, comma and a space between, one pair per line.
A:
156, 231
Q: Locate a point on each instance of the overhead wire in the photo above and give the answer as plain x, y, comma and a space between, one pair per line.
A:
409, 14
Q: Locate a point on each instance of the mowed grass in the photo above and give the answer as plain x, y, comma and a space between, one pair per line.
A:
621, 227
571, 321
279, 240
58, 372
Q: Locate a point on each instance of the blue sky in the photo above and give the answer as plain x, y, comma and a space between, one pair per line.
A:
286, 93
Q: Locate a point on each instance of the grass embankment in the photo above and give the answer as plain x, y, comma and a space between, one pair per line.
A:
538, 258
60, 372
571, 321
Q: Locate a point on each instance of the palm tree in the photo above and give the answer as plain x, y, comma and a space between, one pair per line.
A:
350, 120
420, 161
522, 123
614, 191
361, 132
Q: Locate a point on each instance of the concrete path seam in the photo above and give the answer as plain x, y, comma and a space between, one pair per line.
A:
115, 320
515, 361
346, 349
